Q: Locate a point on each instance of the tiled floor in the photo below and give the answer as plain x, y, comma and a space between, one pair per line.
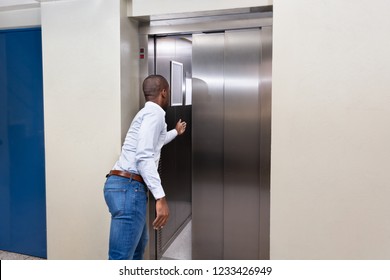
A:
180, 249
4, 255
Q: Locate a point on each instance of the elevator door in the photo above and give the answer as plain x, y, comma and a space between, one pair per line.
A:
175, 162
231, 144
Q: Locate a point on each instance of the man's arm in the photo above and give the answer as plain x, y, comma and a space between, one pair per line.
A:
162, 212
179, 130
147, 141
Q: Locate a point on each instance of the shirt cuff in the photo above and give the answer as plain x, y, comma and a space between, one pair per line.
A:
157, 194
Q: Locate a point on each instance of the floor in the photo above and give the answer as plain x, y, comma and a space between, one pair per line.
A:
180, 249
4, 255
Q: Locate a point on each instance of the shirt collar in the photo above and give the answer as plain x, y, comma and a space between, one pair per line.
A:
154, 105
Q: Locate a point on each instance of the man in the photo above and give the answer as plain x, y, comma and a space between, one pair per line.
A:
135, 172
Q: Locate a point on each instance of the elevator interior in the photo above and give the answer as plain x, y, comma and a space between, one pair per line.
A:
217, 174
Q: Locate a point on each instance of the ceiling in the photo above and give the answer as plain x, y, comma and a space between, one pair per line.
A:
17, 4
20, 4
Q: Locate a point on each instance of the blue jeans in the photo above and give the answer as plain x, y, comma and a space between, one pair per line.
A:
126, 200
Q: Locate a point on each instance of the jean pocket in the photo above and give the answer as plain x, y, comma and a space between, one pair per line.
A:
115, 200
140, 188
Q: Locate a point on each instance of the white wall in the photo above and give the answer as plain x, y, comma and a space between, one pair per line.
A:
83, 119
158, 7
330, 130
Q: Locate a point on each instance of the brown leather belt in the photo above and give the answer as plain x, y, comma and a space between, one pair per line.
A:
126, 174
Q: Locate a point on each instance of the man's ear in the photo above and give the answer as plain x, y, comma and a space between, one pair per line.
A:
164, 93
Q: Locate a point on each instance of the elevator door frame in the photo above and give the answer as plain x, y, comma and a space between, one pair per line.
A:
210, 25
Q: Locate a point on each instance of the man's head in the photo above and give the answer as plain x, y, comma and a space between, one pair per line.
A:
156, 89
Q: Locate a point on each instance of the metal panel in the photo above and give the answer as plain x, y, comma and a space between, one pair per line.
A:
265, 140
203, 22
207, 146
241, 144
183, 176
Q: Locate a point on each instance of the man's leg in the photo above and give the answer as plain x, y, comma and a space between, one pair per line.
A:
124, 200
139, 251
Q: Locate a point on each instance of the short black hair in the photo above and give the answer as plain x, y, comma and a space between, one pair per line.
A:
153, 84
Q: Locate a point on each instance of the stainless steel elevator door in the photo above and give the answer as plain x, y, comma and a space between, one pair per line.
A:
231, 134
207, 146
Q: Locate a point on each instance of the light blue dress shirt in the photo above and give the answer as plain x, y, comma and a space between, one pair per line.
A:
142, 147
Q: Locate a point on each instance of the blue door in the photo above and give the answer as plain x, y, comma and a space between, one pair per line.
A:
22, 158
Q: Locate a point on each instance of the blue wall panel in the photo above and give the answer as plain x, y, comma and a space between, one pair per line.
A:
22, 159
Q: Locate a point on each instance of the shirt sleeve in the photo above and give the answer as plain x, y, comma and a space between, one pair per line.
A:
148, 136
170, 136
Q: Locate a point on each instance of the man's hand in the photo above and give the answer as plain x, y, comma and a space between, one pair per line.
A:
162, 211
180, 127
